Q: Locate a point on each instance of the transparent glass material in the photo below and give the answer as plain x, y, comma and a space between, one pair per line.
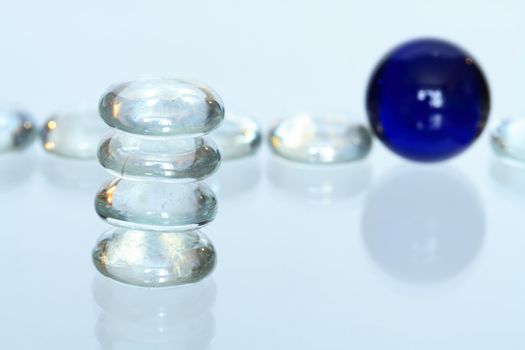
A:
156, 205
171, 159
154, 259
508, 139
162, 107
238, 137
17, 129
311, 139
73, 134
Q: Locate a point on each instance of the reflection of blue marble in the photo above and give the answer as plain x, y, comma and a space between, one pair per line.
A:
167, 318
423, 224
428, 100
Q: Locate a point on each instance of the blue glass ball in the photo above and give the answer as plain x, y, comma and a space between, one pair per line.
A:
428, 100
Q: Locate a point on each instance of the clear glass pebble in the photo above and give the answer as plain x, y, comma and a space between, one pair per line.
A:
162, 107
310, 139
156, 205
171, 159
508, 139
238, 137
154, 259
17, 129
73, 134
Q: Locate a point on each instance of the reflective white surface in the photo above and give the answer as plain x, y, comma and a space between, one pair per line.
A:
301, 264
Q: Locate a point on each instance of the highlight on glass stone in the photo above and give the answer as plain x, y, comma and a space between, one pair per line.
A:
162, 107
428, 100
239, 136
17, 129
152, 258
171, 159
319, 139
508, 139
73, 134
159, 154
156, 205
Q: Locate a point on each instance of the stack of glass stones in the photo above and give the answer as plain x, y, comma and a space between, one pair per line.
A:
157, 203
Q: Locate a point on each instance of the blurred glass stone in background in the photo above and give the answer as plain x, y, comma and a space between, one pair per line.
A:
73, 134
178, 159
319, 139
17, 129
238, 136
154, 258
508, 139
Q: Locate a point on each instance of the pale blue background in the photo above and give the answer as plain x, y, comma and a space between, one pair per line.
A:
355, 257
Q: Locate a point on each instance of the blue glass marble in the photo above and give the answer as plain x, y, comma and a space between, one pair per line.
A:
428, 100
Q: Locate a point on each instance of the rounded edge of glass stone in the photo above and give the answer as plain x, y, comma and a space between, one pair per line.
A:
109, 118
502, 142
208, 145
246, 149
363, 132
204, 248
117, 218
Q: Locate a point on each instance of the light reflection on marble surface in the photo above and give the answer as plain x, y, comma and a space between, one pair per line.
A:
423, 224
141, 318
323, 184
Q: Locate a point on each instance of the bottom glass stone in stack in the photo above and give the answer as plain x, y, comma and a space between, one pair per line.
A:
152, 258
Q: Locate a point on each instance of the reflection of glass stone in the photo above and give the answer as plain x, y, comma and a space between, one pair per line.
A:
162, 107
508, 139
428, 100
73, 134
156, 205
17, 130
322, 185
170, 159
154, 259
159, 318
310, 139
238, 136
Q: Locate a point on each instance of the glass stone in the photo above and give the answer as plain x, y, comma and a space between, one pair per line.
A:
73, 134
162, 107
170, 159
508, 139
156, 205
154, 259
428, 100
238, 137
17, 129
325, 139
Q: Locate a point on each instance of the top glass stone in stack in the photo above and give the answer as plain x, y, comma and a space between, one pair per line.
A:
159, 125
162, 107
